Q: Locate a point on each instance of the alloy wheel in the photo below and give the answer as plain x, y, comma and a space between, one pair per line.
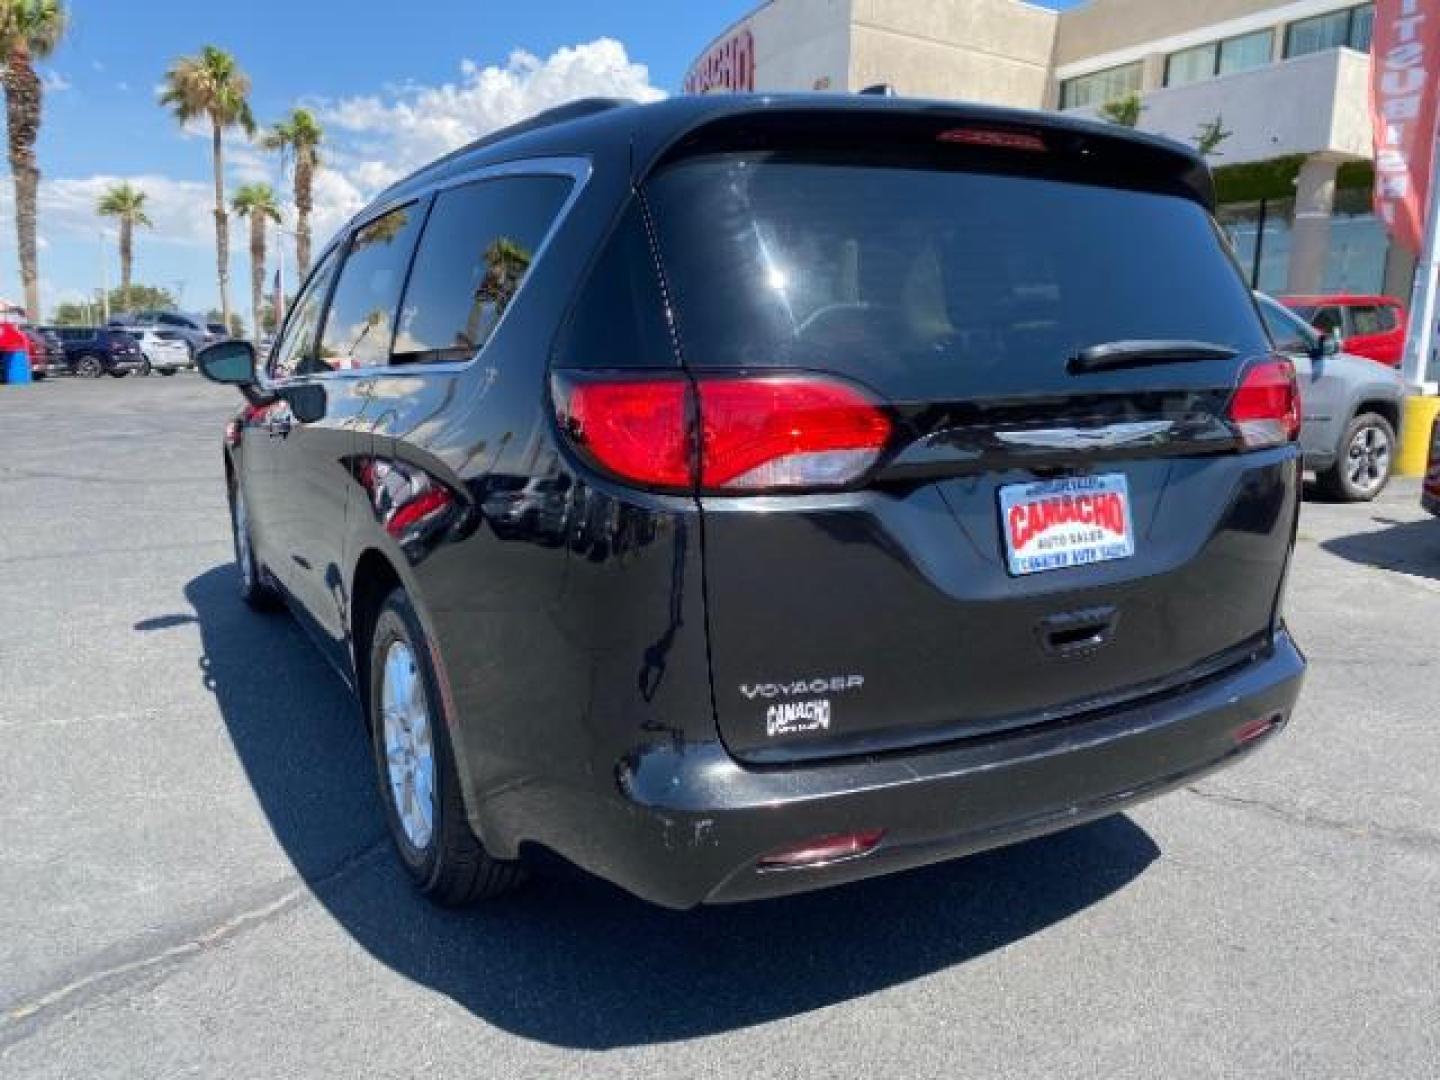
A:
409, 745
1368, 459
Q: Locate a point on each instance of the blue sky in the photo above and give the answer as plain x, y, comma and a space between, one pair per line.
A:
393, 91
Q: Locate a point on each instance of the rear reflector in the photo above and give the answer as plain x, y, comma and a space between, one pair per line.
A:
826, 849
756, 433
1266, 407
1258, 728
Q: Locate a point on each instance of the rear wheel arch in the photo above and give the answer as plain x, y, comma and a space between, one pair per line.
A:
374, 578
1387, 407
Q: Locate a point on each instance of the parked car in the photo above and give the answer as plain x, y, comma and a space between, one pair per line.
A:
47, 355
1430, 489
192, 328
923, 479
92, 351
165, 350
1369, 326
1352, 407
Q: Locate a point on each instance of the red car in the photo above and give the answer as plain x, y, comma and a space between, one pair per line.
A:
1371, 326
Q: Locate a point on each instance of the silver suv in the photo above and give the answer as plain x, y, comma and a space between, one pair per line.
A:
191, 328
1351, 407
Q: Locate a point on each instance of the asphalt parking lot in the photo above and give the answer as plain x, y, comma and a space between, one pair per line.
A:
194, 880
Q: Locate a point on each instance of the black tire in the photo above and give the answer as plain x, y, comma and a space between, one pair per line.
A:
257, 588
1364, 462
89, 366
117, 373
167, 371
450, 868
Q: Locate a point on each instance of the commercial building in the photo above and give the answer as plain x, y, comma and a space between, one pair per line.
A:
1286, 85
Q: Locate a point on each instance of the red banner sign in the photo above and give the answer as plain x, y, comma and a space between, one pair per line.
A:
729, 66
1403, 97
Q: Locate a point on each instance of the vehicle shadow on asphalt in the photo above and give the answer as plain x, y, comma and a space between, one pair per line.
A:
1408, 547
572, 961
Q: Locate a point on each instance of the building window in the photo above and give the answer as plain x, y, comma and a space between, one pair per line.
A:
1101, 86
1219, 58
1191, 65
1349, 28
1355, 261
1246, 52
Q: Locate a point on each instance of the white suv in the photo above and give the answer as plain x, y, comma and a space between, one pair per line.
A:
165, 351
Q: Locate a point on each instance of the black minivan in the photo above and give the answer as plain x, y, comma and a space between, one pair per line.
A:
739, 495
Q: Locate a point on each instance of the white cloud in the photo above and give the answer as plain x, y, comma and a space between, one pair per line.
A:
54, 82
415, 123
376, 139
182, 210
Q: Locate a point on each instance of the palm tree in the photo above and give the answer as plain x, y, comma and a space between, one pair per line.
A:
126, 204
211, 85
29, 30
257, 202
300, 135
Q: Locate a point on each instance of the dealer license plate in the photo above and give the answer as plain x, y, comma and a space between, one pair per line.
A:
1058, 524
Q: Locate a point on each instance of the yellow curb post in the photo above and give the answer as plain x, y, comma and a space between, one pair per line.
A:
1420, 413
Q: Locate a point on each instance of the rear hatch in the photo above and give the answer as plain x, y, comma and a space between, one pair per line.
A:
1051, 522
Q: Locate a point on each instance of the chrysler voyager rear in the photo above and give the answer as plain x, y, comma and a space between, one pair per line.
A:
921, 479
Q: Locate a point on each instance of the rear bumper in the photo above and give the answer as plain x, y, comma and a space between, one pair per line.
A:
124, 363
690, 824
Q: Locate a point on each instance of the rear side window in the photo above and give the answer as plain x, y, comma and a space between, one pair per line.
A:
931, 282
476, 252
361, 322
1373, 319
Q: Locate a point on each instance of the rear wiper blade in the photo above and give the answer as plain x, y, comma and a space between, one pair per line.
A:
1114, 355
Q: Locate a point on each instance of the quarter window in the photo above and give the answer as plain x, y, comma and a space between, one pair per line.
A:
1101, 86
361, 322
476, 252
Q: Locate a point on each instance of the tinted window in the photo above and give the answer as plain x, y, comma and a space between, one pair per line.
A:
294, 352
933, 282
361, 321
1369, 319
619, 318
477, 249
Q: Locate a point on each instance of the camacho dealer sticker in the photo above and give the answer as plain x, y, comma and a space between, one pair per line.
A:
1056, 524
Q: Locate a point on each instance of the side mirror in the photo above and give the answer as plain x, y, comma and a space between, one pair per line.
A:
232, 363
229, 362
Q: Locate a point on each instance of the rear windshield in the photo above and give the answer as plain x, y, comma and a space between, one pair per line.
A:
929, 282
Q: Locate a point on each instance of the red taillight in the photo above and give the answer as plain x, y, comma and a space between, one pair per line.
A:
1266, 408
425, 504
757, 433
791, 431
637, 429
